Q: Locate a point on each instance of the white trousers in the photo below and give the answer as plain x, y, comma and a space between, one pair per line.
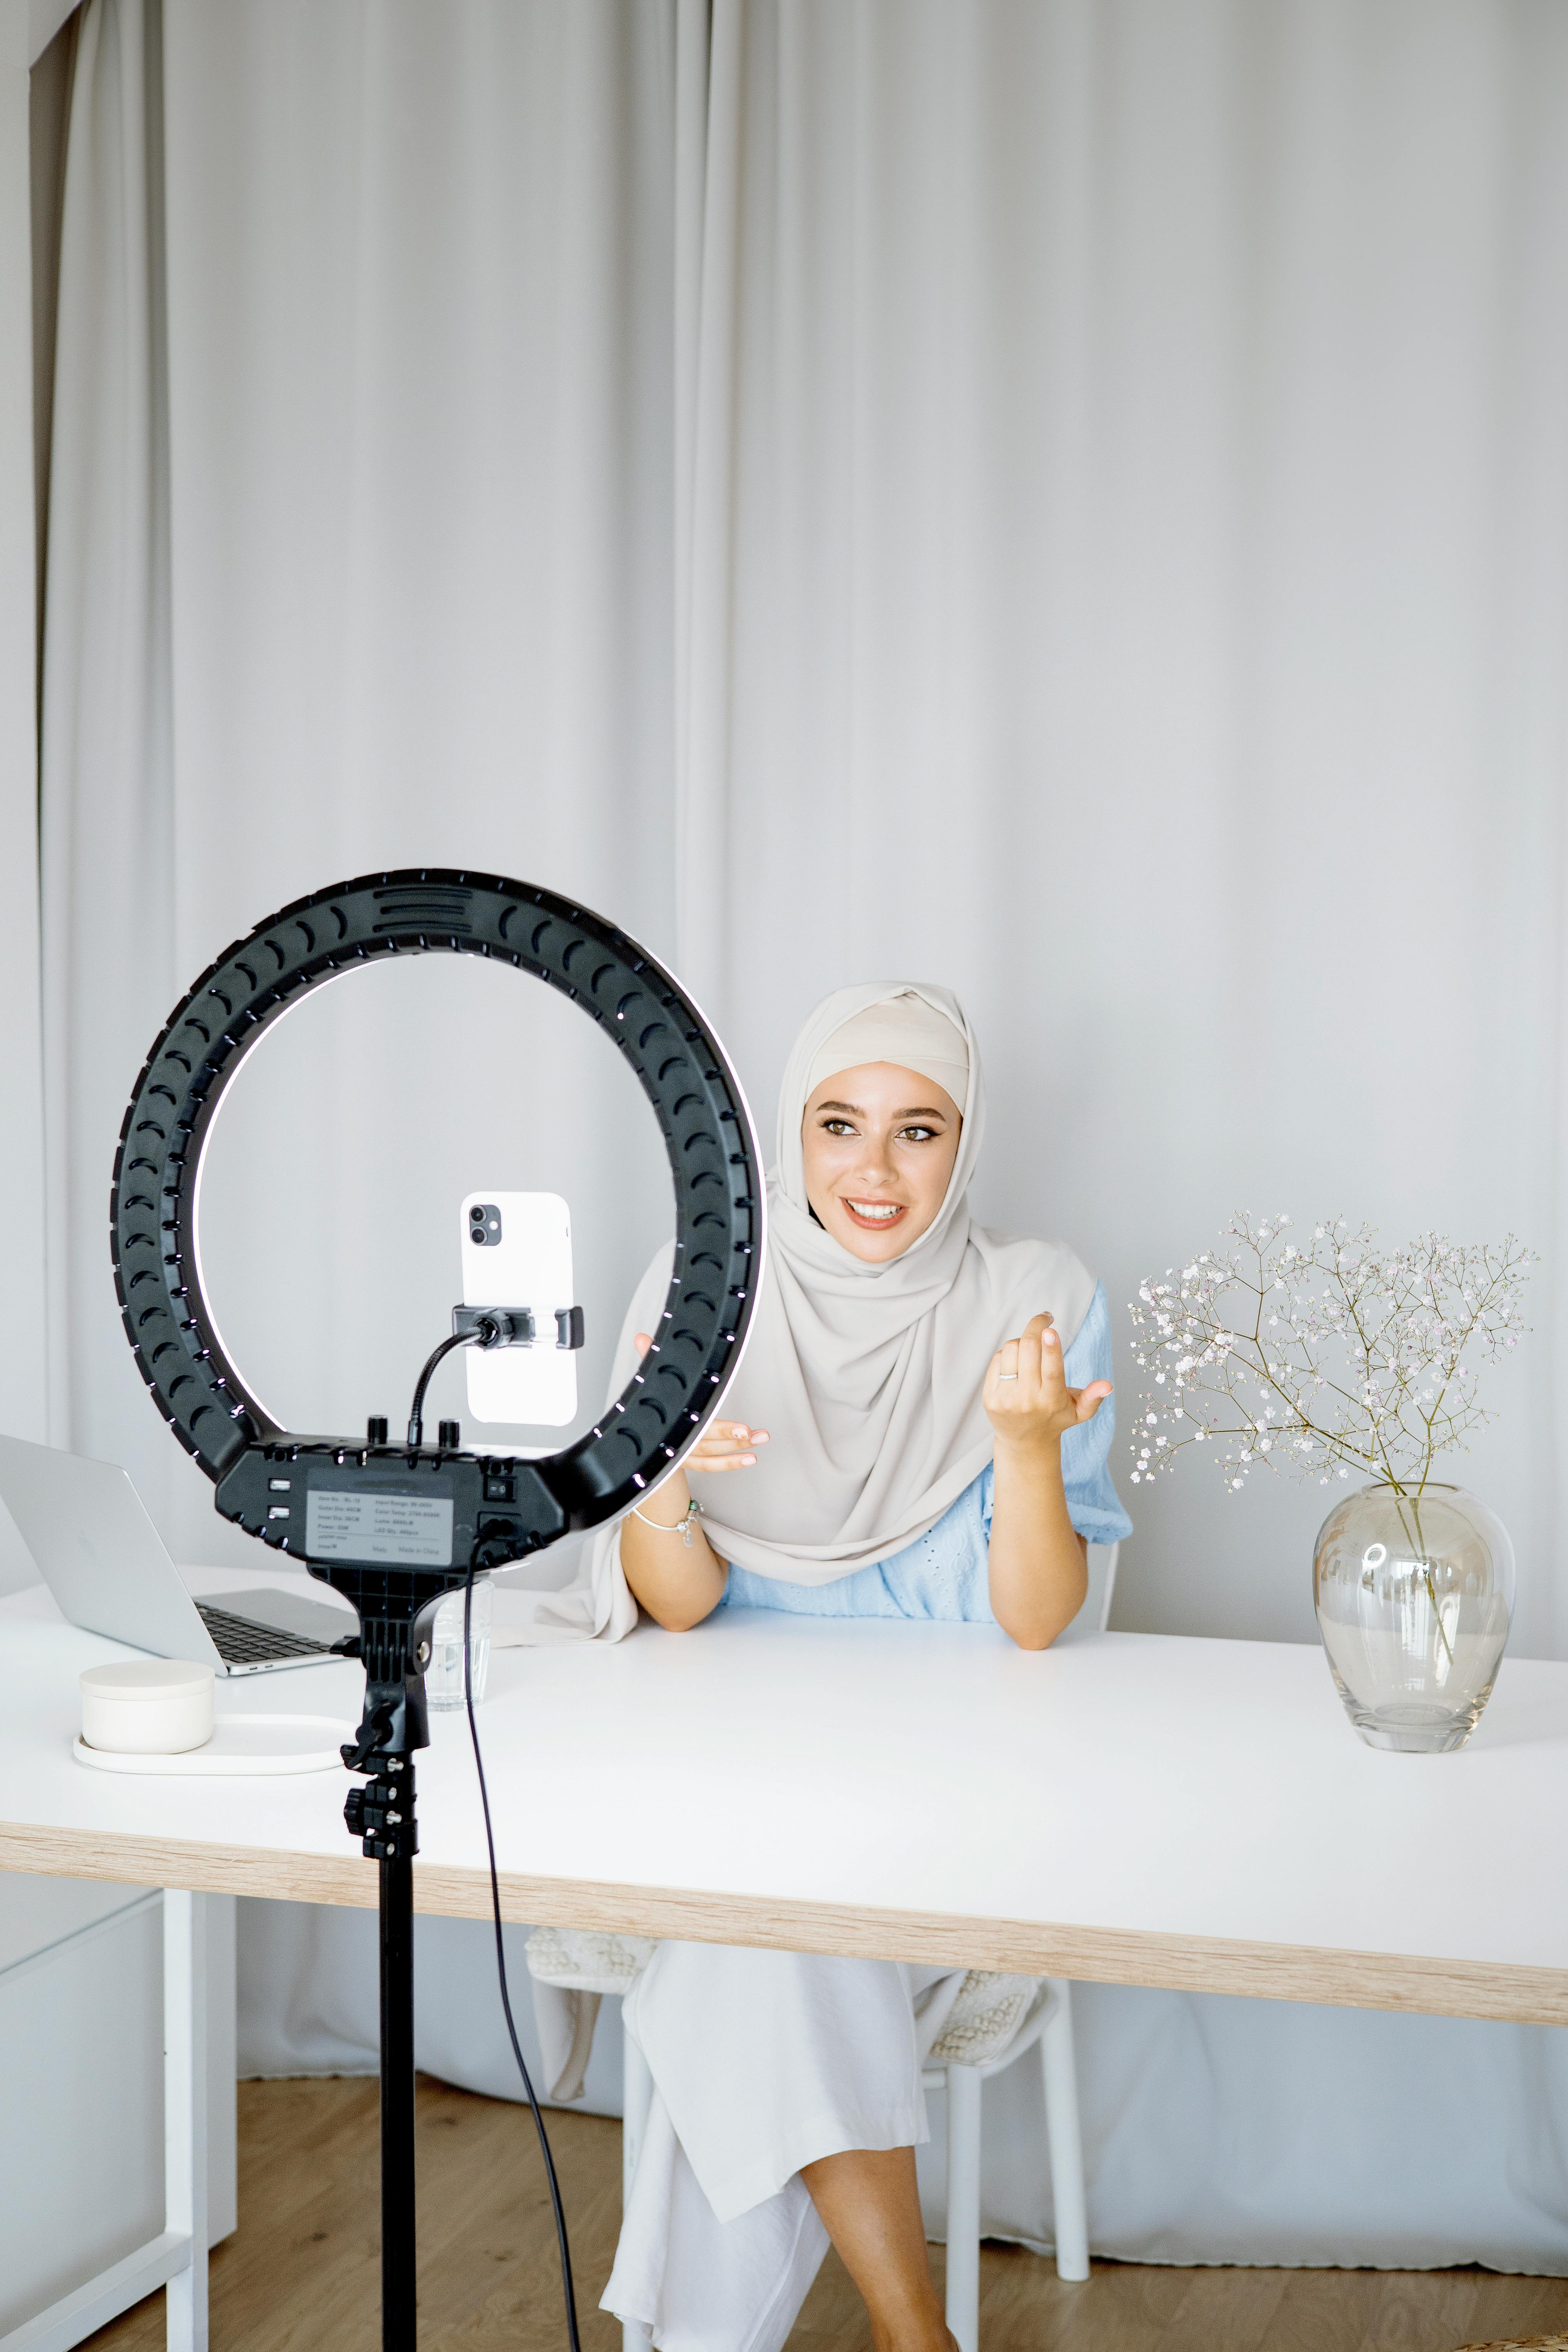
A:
762, 2062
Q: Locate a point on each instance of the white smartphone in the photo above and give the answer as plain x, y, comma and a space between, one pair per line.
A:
517, 1252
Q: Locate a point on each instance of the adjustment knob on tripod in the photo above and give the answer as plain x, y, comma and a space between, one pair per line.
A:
375, 1430
354, 1813
451, 1437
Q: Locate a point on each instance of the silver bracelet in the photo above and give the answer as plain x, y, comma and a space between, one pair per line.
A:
680, 1527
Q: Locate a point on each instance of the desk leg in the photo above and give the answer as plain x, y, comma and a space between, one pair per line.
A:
185, 2112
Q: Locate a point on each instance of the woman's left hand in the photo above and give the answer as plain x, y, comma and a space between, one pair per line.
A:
1027, 1397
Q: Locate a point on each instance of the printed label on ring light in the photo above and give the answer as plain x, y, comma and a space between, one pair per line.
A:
403, 1530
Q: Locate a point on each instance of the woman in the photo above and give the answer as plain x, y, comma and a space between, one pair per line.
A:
922, 1432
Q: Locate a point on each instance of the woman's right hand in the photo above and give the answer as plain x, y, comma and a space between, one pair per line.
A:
672, 1568
724, 1444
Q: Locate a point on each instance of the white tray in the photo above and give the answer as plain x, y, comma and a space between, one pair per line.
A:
241, 1743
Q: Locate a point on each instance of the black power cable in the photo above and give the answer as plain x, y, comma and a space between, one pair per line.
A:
561, 2239
484, 1336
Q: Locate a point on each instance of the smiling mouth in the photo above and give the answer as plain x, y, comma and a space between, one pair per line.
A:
874, 1216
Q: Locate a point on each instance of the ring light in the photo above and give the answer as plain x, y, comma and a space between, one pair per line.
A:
394, 1527
714, 1164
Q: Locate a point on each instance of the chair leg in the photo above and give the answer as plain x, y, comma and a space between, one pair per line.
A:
636, 2096
963, 2206
1063, 2135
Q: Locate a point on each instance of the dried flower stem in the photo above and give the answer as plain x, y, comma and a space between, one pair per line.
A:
1323, 1358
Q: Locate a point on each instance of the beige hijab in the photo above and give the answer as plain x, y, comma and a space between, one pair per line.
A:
867, 1378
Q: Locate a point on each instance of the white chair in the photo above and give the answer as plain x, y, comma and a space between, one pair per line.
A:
984, 2016
1048, 2023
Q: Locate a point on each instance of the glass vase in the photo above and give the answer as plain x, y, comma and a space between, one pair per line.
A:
1414, 1590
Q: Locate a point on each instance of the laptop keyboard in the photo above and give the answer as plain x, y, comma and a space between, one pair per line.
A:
239, 1642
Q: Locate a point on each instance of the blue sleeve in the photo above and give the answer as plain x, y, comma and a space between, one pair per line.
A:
1094, 1505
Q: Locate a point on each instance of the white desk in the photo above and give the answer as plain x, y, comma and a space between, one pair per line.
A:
1131, 1809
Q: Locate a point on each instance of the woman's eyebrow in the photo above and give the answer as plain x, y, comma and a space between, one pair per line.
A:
920, 1110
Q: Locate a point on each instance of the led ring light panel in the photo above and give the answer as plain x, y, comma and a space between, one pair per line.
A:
702, 1114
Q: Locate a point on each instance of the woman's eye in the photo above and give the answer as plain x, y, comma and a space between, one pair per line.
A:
836, 1126
917, 1135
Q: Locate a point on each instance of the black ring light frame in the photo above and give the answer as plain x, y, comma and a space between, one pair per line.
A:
500, 1507
683, 1069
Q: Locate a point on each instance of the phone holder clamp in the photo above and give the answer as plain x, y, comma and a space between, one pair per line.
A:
515, 1327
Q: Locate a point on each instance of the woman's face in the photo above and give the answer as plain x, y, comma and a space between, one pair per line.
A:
879, 1144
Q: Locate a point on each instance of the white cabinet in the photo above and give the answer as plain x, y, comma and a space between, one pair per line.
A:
82, 2139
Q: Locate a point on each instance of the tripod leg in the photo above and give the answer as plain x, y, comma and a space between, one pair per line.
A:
399, 2316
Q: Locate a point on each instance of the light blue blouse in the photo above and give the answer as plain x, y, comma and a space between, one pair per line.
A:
944, 1572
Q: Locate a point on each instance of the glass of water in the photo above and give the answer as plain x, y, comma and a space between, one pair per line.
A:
443, 1675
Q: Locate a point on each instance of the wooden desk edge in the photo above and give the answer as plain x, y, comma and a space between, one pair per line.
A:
1093, 1955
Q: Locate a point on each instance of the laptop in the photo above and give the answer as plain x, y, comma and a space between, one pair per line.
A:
104, 1562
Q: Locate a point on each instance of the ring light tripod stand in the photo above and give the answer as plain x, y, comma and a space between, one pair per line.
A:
394, 1527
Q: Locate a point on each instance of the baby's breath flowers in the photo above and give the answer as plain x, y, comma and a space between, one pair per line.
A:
1322, 1357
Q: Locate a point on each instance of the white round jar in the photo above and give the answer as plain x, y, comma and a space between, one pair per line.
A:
147, 1706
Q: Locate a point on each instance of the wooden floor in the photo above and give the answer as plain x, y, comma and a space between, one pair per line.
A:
300, 2275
